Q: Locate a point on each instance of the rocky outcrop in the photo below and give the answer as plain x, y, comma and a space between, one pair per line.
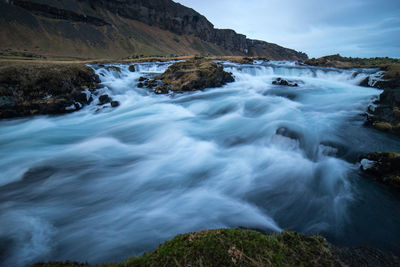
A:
100, 22
282, 82
34, 88
240, 247
383, 167
190, 75
57, 13
195, 74
384, 114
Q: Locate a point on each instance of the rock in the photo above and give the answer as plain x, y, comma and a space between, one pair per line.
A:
114, 104
280, 81
151, 83
132, 68
142, 79
383, 126
195, 74
161, 90
115, 68
383, 167
103, 99
140, 85
32, 88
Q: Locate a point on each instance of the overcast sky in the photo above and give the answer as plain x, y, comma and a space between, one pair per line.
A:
364, 28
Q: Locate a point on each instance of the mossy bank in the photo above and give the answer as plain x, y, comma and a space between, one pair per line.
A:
240, 247
45, 88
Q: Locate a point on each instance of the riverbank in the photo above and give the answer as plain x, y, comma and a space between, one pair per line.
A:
383, 114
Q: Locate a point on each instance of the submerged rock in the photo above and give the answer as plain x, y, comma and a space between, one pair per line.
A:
195, 74
114, 104
383, 167
280, 81
132, 68
103, 99
115, 68
45, 88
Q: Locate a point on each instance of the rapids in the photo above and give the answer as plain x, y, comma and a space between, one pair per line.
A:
102, 185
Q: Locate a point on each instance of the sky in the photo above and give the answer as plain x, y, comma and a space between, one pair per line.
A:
356, 28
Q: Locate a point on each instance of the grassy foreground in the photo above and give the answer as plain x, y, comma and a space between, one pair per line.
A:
233, 247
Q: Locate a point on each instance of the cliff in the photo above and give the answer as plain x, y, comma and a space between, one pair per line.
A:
118, 29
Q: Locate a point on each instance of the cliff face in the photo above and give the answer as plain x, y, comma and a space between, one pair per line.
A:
136, 24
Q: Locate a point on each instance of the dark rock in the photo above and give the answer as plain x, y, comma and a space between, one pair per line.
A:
103, 99
140, 85
280, 81
132, 68
151, 83
44, 88
384, 167
142, 79
114, 104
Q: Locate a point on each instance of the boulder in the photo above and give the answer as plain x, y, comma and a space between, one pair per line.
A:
32, 88
195, 74
103, 99
132, 68
114, 104
282, 82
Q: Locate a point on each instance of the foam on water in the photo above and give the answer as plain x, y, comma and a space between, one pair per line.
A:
105, 184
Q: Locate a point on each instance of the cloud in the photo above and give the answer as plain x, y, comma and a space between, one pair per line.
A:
365, 28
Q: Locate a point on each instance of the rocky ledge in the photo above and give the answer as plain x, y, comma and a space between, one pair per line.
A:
239, 247
45, 88
383, 167
190, 75
384, 114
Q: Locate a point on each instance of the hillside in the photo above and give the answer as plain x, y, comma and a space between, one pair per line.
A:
87, 29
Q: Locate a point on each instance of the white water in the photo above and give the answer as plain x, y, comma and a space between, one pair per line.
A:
102, 185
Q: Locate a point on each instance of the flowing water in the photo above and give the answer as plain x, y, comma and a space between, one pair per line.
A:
104, 184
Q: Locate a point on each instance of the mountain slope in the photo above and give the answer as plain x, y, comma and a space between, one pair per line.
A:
118, 29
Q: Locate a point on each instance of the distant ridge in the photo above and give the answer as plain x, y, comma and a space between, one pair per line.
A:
119, 29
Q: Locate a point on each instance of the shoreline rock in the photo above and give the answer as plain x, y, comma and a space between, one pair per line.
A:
242, 247
28, 89
383, 167
384, 115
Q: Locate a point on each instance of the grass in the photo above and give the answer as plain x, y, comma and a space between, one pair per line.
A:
234, 247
